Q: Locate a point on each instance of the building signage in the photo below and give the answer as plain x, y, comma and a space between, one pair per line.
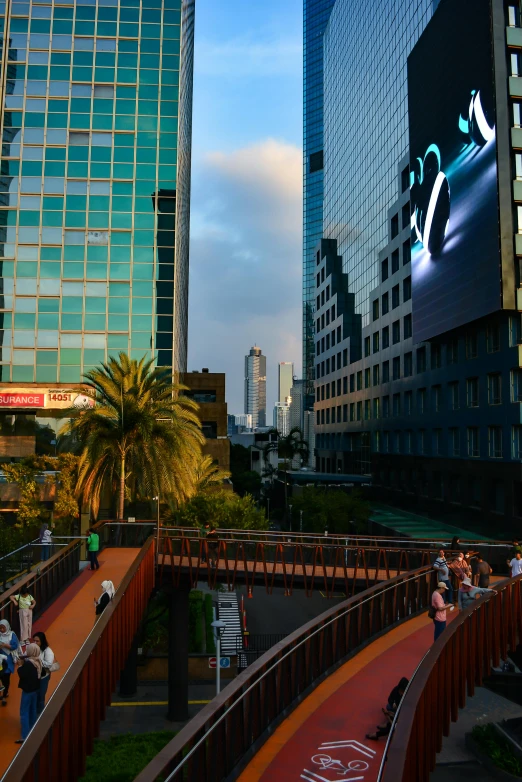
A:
49, 399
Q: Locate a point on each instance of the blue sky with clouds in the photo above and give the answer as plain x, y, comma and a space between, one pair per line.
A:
245, 279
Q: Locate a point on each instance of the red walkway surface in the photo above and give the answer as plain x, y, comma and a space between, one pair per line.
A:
324, 738
66, 623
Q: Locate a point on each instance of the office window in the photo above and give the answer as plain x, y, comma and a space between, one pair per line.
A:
327, 342
408, 441
333, 389
472, 433
408, 364
493, 339
385, 442
318, 394
396, 332
327, 390
333, 338
407, 327
452, 352
327, 314
395, 261
375, 308
376, 342
405, 179
422, 441
327, 366
386, 337
333, 312
339, 334
516, 442
437, 442
339, 360
367, 346
516, 385
454, 441
327, 415
367, 382
367, 411
395, 297
385, 371
394, 226
472, 391
471, 346
352, 411
495, 388
345, 413
406, 289
377, 442
495, 442
406, 253
345, 357
384, 270
453, 389
359, 411
315, 161
352, 383
405, 215
345, 384
421, 360
396, 442
436, 356
437, 398
359, 381
327, 293
339, 381
397, 368
376, 408
376, 375
408, 402
515, 330
338, 414
422, 400
396, 401
385, 303
386, 407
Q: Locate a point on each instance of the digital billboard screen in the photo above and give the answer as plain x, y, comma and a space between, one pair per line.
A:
455, 252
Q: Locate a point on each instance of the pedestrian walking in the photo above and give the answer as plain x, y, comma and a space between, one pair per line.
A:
212, 546
48, 665
105, 597
204, 533
9, 648
45, 540
468, 593
29, 674
93, 546
516, 565
484, 571
442, 569
461, 567
25, 604
438, 609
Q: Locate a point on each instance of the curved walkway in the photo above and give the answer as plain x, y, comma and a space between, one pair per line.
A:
67, 623
323, 739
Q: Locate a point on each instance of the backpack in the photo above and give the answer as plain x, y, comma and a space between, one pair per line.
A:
432, 612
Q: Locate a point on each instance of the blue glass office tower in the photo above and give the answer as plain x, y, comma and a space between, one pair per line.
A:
316, 15
96, 100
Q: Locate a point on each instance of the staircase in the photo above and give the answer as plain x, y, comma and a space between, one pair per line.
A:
228, 612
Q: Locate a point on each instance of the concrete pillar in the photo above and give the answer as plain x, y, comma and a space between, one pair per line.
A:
129, 675
178, 652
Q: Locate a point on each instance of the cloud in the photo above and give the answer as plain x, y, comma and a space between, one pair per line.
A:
246, 260
247, 56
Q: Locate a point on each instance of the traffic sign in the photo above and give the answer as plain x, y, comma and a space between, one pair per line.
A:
211, 662
224, 662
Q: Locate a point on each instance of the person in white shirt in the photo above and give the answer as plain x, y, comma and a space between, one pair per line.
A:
516, 565
47, 659
46, 540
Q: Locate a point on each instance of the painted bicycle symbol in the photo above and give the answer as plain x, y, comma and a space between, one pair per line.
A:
326, 762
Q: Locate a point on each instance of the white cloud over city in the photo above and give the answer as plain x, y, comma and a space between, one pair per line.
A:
245, 283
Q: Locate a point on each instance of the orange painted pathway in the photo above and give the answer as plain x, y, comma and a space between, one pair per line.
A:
66, 623
324, 738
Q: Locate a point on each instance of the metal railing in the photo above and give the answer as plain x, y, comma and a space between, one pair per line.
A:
473, 644
227, 732
59, 743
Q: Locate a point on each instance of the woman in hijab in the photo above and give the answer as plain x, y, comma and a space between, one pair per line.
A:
468, 593
105, 597
8, 645
47, 660
29, 674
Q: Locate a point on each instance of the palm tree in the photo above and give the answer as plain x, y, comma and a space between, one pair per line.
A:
142, 437
208, 474
287, 447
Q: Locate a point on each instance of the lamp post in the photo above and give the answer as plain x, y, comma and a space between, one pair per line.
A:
290, 508
157, 528
300, 521
268, 508
219, 628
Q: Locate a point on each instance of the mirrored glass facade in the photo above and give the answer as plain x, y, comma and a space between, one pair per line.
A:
94, 184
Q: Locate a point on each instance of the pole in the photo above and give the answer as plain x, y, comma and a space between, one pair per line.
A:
268, 507
158, 531
290, 518
301, 521
218, 660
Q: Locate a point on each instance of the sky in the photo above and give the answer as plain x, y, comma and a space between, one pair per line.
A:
246, 210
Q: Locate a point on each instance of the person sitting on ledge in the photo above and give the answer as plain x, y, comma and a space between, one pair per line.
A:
394, 699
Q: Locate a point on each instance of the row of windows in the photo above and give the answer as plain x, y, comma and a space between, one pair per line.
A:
393, 262
340, 387
382, 307
438, 442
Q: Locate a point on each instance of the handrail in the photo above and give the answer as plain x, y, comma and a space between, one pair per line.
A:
20, 548
58, 744
230, 729
474, 642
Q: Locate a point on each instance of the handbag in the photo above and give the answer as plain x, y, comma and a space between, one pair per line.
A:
54, 667
432, 612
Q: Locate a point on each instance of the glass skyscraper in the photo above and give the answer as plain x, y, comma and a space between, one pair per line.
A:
95, 184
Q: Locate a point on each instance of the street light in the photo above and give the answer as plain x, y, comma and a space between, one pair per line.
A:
157, 499
301, 521
219, 628
268, 508
290, 517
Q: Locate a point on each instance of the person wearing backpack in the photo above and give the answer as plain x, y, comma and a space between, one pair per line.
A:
437, 609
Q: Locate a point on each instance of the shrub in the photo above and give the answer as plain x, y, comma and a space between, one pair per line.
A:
497, 748
121, 758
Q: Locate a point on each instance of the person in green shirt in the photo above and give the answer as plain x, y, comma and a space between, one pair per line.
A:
93, 546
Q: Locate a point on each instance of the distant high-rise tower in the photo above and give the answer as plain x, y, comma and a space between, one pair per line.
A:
255, 386
286, 378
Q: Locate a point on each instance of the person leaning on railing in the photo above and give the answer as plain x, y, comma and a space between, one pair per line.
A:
468, 593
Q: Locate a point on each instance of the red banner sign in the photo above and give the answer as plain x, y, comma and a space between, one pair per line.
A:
22, 400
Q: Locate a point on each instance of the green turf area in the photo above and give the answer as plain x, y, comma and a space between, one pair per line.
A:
121, 758
415, 526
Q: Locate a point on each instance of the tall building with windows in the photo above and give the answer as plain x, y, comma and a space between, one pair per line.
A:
285, 379
255, 387
417, 284
96, 106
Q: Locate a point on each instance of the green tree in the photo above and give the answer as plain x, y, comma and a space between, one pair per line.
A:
31, 512
142, 437
207, 474
287, 447
224, 509
332, 510
244, 479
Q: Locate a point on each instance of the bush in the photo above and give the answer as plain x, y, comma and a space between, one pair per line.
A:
497, 748
121, 758
209, 632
